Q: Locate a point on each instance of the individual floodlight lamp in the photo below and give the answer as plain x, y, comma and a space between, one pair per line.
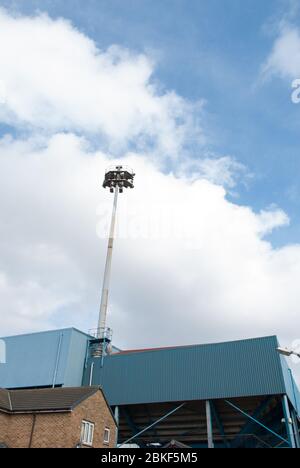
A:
287, 352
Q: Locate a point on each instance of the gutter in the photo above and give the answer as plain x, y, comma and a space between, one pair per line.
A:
32, 430
69, 410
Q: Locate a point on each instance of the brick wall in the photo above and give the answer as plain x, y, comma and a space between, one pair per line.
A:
58, 430
103, 419
4, 423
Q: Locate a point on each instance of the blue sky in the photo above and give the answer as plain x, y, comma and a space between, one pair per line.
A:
212, 50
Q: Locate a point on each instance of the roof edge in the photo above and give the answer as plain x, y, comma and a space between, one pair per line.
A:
166, 348
56, 330
11, 410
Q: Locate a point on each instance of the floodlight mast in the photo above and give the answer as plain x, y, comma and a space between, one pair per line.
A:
116, 179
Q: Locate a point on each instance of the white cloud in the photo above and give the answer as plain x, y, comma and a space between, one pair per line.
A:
270, 219
57, 79
216, 279
225, 170
284, 59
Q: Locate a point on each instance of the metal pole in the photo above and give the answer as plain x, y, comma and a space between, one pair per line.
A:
296, 428
107, 271
117, 418
288, 421
209, 425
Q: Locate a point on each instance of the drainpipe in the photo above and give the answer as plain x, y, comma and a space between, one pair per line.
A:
91, 374
57, 360
32, 430
117, 418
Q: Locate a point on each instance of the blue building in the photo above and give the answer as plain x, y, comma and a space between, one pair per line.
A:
234, 394
46, 359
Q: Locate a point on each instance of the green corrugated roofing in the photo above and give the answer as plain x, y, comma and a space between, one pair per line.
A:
214, 371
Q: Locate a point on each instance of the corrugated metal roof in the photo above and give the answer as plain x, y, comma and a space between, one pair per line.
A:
224, 370
50, 399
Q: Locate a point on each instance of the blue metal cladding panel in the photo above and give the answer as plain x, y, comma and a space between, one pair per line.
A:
225, 370
292, 389
31, 359
76, 359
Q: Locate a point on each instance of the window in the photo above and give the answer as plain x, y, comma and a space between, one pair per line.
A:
106, 437
87, 433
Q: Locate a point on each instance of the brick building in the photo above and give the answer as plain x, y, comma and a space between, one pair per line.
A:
56, 418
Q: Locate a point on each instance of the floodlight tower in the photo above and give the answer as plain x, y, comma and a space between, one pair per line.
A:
116, 179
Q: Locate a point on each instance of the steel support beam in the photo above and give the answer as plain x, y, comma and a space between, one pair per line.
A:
153, 424
219, 424
150, 419
250, 423
296, 428
210, 440
288, 421
131, 424
256, 421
